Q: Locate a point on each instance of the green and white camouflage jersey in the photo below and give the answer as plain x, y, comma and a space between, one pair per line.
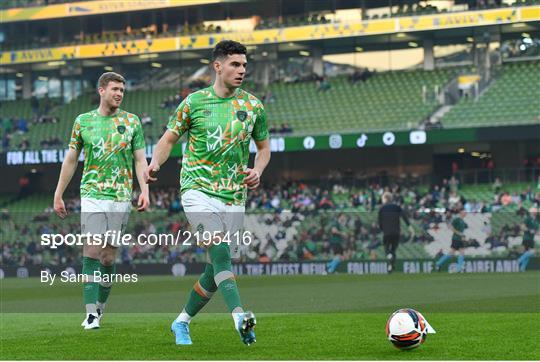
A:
219, 131
108, 143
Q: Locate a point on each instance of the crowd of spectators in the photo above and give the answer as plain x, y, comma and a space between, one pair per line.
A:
125, 37
288, 21
284, 129
360, 75
300, 221
10, 126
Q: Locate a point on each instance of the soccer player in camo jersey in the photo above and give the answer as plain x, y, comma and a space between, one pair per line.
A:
111, 138
459, 242
220, 121
530, 228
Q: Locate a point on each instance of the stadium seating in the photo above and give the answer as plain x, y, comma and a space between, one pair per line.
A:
386, 101
35, 212
391, 100
137, 102
511, 99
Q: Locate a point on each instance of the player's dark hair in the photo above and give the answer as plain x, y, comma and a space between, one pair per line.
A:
110, 77
227, 47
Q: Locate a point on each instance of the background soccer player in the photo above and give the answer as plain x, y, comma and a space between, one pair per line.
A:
220, 121
458, 227
530, 227
111, 139
389, 222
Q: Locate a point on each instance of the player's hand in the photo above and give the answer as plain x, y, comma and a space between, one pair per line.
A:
253, 178
143, 202
59, 207
411, 232
150, 173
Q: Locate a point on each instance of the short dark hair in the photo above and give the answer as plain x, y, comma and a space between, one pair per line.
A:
227, 47
110, 77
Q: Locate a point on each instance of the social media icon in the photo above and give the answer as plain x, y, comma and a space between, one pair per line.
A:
388, 138
417, 137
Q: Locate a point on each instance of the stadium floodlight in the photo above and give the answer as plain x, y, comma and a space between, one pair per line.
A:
205, 61
56, 63
148, 56
304, 53
412, 44
156, 65
108, 68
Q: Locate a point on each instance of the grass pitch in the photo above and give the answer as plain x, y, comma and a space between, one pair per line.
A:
477, 316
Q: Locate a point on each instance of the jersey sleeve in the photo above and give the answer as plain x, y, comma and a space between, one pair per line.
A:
260, 129
76, 141
180, 120
137, 142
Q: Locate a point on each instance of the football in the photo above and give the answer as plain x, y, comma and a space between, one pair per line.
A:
406, 329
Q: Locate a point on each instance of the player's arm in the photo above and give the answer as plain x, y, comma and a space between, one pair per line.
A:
161, 154
253, 178
405, 216
140, 167
260, 137
69, 165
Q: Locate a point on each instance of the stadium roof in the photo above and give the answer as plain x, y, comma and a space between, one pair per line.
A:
96, 7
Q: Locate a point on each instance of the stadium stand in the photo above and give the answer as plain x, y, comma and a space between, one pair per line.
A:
511, 99
386, 101
291, 222
28, 3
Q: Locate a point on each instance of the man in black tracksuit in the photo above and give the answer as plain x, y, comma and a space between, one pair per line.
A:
389, 222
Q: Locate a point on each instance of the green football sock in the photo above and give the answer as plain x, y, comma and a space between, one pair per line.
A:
202, 291
91, 288
220, 256
105, 287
